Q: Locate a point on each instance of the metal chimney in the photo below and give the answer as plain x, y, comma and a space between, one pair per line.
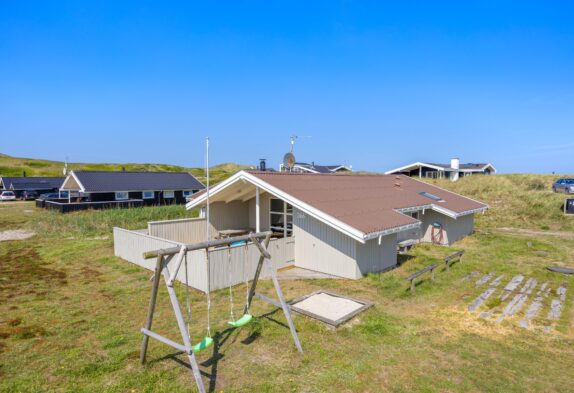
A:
262, 164
454, 164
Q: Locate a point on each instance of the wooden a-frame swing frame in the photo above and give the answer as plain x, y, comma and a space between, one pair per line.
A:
163, 258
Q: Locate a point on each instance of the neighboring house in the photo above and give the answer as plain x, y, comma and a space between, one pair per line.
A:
39, 184
301, 167
154, 188
346, 225
439, 171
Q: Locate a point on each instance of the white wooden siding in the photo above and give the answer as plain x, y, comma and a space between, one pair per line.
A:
232, 215
453, 229
130, 245
324, 249
373, 257
188, 230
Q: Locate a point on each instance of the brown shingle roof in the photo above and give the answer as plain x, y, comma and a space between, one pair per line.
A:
366, 202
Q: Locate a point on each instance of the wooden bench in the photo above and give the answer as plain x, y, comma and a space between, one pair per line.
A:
405, 245
412, 278
457, 256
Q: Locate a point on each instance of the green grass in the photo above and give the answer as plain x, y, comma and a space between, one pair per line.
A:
70, 314
14, 166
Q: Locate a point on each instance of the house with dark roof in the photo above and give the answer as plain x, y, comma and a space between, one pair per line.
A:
302, 167
346, 225
33, 183
452, 171
151, 188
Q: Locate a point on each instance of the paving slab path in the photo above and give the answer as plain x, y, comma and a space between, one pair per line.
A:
484, 279
481, 299
514, 283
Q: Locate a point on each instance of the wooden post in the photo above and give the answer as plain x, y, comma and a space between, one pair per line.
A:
413, 285
151, 308
184, 333
257, 273
257, 211
284, 306
432, 274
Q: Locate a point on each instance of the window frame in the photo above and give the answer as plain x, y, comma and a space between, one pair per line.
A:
286, 213
187, 193
171, 192
148, 197
127, 195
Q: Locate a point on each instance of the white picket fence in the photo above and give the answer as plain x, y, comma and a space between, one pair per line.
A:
227, 266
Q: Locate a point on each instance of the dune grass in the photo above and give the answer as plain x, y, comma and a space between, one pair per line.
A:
70, 314
518, 200
15, 166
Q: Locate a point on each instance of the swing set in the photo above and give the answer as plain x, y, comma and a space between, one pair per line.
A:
162, 269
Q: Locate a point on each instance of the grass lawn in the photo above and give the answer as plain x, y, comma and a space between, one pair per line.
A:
70, 313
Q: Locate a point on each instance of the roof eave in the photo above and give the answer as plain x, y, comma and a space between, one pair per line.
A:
390, 231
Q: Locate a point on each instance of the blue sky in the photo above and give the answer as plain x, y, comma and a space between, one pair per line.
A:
374, 85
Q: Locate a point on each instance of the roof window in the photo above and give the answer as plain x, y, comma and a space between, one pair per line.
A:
431, 196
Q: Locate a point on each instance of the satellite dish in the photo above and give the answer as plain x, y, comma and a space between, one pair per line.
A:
289, 160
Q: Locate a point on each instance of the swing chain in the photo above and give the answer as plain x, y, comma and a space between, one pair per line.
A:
245, 275
208, 292
230, 283
187, 298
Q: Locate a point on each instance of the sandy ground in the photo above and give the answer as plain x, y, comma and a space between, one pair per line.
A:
18, 234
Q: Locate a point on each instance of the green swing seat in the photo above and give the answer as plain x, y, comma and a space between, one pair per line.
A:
203, 344
244, 320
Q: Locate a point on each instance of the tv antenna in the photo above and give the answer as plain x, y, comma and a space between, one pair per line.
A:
294, 138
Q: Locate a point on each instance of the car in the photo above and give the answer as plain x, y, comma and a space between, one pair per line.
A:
29, 195
564, 185
7, 196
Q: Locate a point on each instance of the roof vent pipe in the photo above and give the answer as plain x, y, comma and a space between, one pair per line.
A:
262, 164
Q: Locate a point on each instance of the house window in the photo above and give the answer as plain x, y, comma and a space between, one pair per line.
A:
148, 195
281, 217
168, 194
415, 215
122, 195
187, 193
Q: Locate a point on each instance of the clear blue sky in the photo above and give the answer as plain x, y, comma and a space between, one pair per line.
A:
374, 85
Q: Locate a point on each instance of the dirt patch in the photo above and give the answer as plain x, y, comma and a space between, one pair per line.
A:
532, 233
17, 234
22, 332
23, 272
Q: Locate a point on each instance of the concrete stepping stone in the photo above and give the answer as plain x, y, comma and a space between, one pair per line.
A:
532, 311
518, 301
529, 286
481, 299
561, 291
496, 282
514, 283
484, 279
556, 305
470, 276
